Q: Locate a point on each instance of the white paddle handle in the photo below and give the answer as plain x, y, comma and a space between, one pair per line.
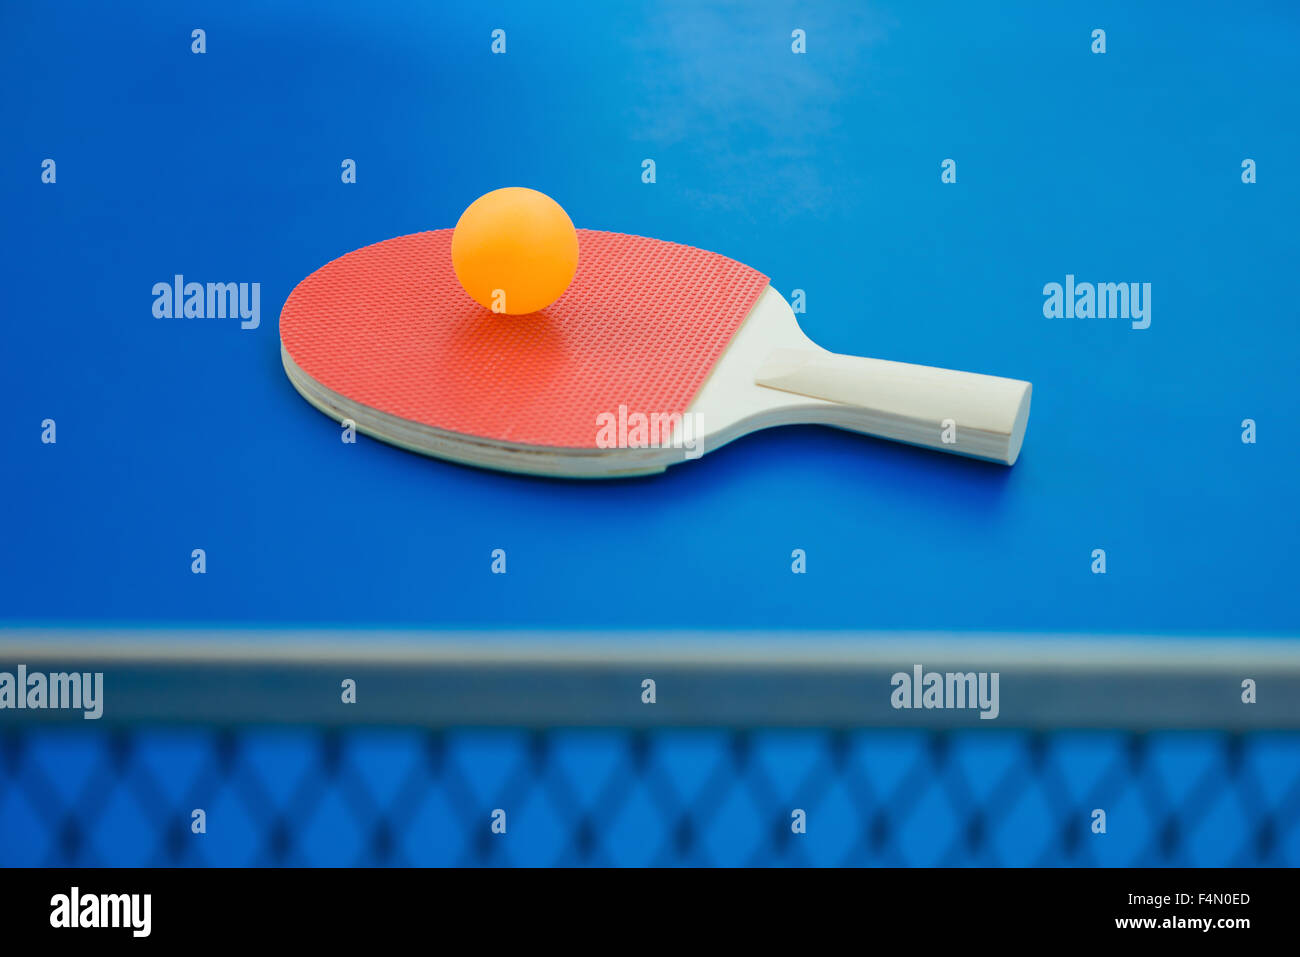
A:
979, 415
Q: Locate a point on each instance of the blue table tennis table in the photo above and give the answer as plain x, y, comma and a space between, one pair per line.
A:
933, 182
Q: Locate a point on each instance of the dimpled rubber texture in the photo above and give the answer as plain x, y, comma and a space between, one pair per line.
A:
641, 325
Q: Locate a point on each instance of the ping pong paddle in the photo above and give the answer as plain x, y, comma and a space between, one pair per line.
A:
656, 353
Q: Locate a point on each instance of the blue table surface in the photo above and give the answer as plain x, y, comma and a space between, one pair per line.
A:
822, 170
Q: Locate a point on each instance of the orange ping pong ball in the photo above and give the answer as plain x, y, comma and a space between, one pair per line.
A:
514, 250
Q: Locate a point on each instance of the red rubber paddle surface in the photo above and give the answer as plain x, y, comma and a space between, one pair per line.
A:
642, 324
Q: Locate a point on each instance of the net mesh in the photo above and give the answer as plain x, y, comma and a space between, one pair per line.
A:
307, 796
